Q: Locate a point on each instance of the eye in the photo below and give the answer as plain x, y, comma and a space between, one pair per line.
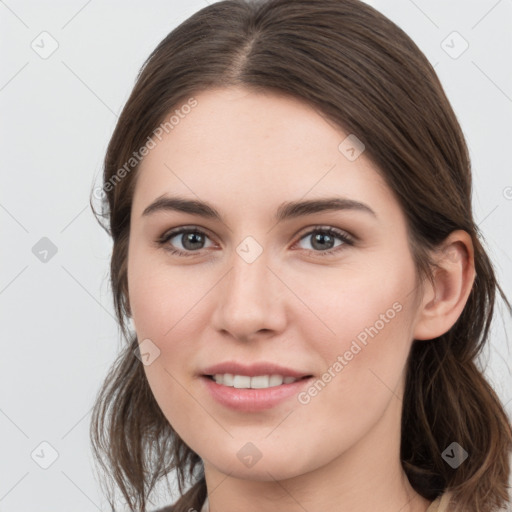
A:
191, 239
323, 240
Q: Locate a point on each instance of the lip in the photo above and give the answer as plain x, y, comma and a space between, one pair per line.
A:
263, 368
252, 400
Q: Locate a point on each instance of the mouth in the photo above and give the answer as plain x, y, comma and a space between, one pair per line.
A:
252, 388
254, 382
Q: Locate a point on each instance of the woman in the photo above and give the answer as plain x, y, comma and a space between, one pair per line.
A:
289, 195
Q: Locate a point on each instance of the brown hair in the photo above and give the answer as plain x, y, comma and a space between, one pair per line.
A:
362, 72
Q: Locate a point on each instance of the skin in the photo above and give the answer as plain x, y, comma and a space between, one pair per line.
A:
245, 153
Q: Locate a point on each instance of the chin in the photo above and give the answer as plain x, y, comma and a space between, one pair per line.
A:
269, 464
261, 472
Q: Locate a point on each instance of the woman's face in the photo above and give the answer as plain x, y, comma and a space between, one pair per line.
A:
258, 292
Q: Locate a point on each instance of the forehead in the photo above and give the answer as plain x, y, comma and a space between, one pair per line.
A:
246, 147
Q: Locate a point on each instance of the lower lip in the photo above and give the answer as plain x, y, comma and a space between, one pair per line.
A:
251, 400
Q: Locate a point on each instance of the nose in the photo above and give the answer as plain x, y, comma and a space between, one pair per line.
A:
250, 300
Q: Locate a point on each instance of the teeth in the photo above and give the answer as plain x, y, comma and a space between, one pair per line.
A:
226, 379
256, 382
241, 381
275, 380
260, 382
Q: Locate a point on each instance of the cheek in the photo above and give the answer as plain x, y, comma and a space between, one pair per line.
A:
362, 303
165, 304
161, 296
370, 315
362, 375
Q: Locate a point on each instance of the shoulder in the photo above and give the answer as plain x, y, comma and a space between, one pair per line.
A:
440, 504
170, 508
434, 506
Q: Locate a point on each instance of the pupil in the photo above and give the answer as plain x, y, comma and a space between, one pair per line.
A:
321, 237
192, 238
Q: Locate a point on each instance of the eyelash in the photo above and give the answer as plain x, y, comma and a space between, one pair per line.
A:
344, 237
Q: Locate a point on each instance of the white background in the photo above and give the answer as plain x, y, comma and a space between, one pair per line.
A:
58, 332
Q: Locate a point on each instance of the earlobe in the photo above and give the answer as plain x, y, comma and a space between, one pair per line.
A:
444, 301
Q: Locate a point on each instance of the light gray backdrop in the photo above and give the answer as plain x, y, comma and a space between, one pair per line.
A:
66, 70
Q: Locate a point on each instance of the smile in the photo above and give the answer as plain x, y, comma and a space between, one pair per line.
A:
253, 394
256, 382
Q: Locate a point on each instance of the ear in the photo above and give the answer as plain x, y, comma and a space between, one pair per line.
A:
443, 303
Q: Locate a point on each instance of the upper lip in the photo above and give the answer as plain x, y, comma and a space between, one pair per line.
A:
252, 370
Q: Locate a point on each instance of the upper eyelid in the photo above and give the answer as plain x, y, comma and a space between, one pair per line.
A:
171, 233
337, 231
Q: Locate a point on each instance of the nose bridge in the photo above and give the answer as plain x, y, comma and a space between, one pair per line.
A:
248, 286
248, 299
249, 278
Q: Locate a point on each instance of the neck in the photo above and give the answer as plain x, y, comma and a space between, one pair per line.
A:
368, 476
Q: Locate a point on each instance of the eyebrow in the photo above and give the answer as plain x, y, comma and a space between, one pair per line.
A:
287, 210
